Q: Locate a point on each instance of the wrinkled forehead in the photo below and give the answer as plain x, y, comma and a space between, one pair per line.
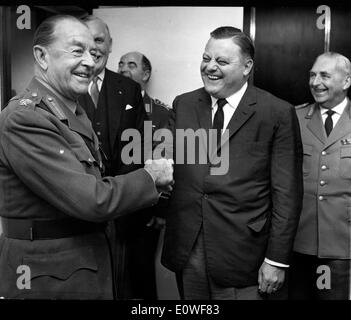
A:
69, 32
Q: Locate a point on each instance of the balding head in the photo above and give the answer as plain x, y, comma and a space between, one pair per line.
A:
135, 65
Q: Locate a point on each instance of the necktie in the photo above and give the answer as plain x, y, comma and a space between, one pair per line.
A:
218, 120
329, 122
94, 91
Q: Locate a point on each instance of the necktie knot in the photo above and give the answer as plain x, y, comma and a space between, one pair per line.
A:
221, 103
330, 113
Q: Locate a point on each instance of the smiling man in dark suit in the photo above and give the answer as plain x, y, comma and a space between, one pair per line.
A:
114, 104
230, 236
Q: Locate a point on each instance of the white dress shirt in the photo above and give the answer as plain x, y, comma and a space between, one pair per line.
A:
230, 107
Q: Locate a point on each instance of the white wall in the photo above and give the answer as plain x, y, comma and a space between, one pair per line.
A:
173, 38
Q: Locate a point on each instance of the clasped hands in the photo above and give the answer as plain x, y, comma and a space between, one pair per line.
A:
161, 171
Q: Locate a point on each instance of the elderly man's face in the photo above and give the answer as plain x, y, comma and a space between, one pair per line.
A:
130, 66
70, 65
328, 81
103, 43
223, 68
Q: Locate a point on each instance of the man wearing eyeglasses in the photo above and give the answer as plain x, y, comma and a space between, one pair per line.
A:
54, 203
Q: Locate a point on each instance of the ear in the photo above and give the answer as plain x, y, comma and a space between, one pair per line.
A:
347, 82
41, 56
146, 76
110, 46
248, 66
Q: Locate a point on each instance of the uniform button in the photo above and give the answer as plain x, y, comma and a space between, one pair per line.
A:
90, 159
98, 133
324, 153
50, 99
324, 167
34, 94
320, 198
322, 182
205, 196
98, 123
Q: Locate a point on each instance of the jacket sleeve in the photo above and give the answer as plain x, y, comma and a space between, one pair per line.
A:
286, 185
41, 157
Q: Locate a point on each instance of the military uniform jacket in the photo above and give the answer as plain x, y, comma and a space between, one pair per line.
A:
48, 172
325, 223
157, 111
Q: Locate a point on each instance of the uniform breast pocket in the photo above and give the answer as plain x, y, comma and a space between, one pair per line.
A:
84, 155
307, 159
345, 162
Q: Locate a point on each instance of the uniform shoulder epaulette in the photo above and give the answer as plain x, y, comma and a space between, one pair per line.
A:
160, 103
304, 105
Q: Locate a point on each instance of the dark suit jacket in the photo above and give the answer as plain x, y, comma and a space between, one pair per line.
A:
324, 228
252, 211
117, 92
47, 171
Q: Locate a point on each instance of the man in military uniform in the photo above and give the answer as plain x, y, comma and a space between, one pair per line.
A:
137, 66
144, 234
321, 260
53, 201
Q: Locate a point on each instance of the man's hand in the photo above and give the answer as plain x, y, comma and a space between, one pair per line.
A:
161, 171
270, 278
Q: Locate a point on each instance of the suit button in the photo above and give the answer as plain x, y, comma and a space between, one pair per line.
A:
98, 133
206, 196
324, 153
324, 167
320, 198
322, 183
98, 123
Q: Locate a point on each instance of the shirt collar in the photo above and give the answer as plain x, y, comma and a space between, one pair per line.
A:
234, 99
338, 108
101, 75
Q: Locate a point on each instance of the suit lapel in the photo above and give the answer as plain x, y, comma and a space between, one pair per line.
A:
341, 128
112, 93
315, 125
243, 112
204, 111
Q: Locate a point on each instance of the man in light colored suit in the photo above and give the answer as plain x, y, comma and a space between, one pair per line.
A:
230, 236
321, 264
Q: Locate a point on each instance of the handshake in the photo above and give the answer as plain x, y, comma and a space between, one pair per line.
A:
161, 170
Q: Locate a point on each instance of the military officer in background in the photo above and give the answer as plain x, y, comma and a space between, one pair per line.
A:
322, 243
144, 234
137, 66
53, 201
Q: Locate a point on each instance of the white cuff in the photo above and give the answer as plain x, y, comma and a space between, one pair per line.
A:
276, 264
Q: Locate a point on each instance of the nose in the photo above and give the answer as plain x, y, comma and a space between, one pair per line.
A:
315, 80
88, 59
212, 65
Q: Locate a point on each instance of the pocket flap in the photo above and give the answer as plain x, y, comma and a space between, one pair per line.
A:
307, 149
61, 265
257, 225
345, 152
83, 154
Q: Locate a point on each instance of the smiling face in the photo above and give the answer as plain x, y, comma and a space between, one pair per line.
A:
103, 42
67, 64
131, 66
328, 81
224, 69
